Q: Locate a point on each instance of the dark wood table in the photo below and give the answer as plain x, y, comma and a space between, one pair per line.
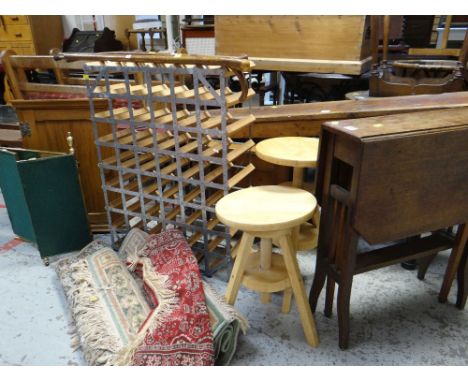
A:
400, 179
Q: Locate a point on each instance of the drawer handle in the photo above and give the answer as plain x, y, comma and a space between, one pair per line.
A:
14, 18
18, 34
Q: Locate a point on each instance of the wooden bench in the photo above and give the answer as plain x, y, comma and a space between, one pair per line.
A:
306, 120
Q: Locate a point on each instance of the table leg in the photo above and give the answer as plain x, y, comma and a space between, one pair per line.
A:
454, 261
462, 292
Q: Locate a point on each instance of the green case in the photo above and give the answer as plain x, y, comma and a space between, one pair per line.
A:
43, 197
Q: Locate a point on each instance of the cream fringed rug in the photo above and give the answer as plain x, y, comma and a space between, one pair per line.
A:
117, 320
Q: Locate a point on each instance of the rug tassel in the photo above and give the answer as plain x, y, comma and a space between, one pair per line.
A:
228, 310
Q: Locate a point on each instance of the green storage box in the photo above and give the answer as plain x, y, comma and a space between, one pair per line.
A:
43, 197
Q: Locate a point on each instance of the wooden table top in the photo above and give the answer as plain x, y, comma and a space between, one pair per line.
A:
397, 124
266, 208
372, 106
289, 151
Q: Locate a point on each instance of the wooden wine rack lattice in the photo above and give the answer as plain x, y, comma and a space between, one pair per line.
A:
165, 155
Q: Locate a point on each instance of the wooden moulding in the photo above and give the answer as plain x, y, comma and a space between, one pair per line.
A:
317, 66
233, 63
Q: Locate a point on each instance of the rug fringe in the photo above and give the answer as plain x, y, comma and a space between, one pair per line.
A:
227, 310
90, 325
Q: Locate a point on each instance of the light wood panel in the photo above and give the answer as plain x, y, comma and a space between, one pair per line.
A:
296, 43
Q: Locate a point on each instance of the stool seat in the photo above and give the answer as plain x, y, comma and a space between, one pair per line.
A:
289, 151
266, 208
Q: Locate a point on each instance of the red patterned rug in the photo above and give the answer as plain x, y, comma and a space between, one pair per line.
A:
178, 331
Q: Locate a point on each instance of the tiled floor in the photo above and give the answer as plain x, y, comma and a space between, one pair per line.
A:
396, 319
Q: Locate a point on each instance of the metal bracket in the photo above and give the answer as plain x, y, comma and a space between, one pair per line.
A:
25, 129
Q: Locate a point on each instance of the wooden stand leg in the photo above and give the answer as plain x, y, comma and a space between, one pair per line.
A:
235, 279
344, 295
454, 261
287, 297
346, 258
297, 285
462, 292
330, 294
423, 264
318, 283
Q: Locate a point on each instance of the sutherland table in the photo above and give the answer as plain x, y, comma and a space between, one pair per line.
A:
298, 153
400, 179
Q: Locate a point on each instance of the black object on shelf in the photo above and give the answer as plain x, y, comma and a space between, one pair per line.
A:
92, 41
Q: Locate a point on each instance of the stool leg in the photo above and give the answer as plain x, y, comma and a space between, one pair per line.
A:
265, 263
297, 181
298, 175
287, 297
297, 285
237, 272
316, 217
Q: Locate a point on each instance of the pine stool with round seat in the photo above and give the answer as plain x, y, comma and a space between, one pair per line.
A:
269, 212
298, 153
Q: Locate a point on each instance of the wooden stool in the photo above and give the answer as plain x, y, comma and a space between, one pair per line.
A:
298, 153
269, 212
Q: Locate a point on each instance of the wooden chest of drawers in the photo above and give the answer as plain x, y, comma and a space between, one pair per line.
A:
30, 34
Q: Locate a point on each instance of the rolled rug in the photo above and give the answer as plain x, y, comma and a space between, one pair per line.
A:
226, 324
